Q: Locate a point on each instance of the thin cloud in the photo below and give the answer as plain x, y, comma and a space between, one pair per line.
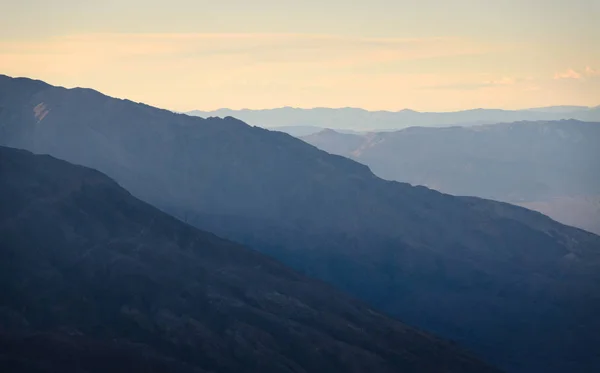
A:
266, 70
308, 49
468, 86
501, 81
569, 74
589, 71
457, 86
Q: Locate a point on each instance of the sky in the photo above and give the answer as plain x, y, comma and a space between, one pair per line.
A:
426, 55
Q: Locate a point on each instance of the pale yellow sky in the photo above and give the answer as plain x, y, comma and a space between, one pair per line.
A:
380, 54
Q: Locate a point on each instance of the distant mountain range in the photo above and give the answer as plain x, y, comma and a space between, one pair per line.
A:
86, 266
516, 287
553, 167
354, 119
298, 131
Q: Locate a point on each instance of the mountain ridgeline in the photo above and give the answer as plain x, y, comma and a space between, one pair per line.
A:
299, 121
516, 287
550, 166
95, 280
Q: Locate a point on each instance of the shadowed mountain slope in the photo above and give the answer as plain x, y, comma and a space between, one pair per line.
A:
93, 277
511, 284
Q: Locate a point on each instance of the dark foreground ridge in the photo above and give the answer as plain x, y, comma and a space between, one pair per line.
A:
94, 280
519, 289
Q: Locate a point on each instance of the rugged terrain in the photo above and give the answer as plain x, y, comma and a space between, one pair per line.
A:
519, 289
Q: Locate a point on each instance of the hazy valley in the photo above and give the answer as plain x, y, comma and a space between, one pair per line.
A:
552, 167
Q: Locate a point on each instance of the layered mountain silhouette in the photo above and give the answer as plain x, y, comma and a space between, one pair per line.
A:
520, 289
95, 280
299, 131
549, 166
290, 119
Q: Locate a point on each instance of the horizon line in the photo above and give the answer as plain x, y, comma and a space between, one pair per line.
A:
582, 107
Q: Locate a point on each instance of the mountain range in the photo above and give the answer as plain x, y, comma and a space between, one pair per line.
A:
94, 279
548, 166
519, 289
289, 118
